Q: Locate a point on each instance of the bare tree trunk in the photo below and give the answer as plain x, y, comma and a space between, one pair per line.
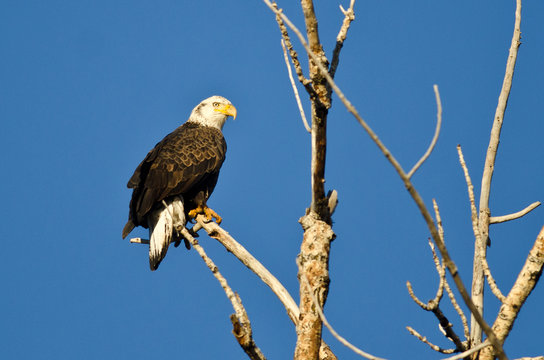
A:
315, 248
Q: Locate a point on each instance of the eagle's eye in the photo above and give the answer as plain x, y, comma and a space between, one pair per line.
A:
215, 104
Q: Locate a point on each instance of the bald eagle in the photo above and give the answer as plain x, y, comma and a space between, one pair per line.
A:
176, 178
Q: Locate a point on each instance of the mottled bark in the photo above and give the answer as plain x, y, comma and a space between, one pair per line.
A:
315, 248
314, 265
524, 285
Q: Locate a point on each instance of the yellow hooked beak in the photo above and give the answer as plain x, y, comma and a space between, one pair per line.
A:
227, 109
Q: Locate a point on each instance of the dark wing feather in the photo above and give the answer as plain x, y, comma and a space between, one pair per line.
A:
183, 159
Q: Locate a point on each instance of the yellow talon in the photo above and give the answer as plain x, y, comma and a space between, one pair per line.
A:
207, 212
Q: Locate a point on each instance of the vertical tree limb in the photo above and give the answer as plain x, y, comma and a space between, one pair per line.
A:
485, 213
314, 266
320, 108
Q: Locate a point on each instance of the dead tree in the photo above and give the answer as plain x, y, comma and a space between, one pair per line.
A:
313, 260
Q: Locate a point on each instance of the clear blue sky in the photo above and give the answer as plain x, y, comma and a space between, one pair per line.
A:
88, 87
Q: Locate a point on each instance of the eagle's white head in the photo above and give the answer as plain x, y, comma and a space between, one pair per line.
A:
213, 112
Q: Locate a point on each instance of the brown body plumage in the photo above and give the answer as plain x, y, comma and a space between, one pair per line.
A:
186, 163
183, 166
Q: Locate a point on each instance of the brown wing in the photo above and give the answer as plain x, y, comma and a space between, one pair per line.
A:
186, 157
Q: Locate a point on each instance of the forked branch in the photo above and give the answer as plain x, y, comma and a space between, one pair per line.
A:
433, 306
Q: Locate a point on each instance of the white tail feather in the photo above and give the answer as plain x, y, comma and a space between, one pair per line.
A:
162, 224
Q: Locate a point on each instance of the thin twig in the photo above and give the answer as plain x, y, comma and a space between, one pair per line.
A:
244, 331
328, 325
424, 340
436, 133
421, 304
457, 308
468, 352
349, 16
433, 304
489, 166
478, 243
517, 215
451, 296
293, 54
441, 269
295, 91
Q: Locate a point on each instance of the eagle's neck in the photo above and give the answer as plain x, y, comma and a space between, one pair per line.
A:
216, 120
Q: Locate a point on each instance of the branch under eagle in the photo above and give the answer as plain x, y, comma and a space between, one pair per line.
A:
176, 178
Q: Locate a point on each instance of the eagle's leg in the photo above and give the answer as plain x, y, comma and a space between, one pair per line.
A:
206, 211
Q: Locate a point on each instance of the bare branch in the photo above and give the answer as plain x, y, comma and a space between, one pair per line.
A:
457, 308
500, 219
436, 133
438, 224
349, 16
481, 257
424, 339
232, 246
241, 328
441, 269
501, 108
433, 304
446, 285
292, 53
242, 332
424, 306
338, 337
295, 91
524, 285
468, 352
485, 213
